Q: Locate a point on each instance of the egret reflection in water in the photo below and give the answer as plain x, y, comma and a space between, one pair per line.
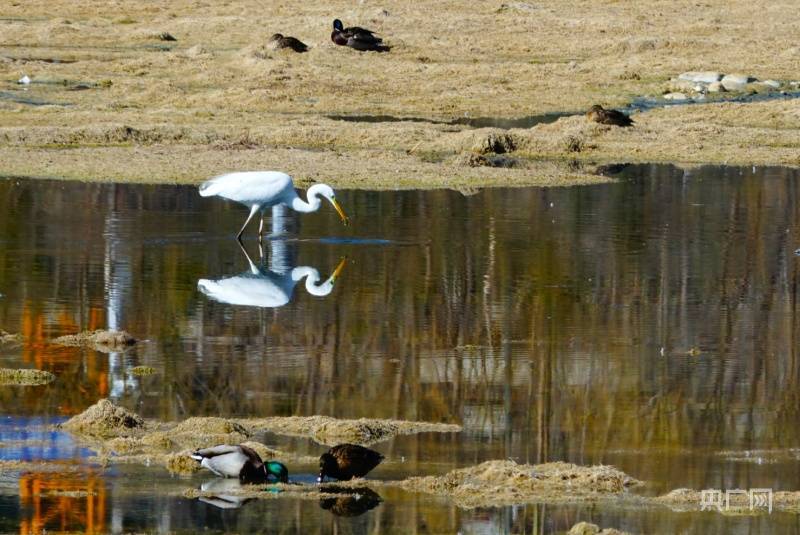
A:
260, 286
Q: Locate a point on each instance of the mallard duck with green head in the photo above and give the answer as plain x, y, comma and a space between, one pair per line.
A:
240, 462
346, 461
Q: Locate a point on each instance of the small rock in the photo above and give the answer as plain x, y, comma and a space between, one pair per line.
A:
25, 80
164, 36
675, 96
794, 84
736, 82
705, 77
716, 87
772, 83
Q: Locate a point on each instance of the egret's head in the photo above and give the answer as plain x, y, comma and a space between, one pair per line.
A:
324, 190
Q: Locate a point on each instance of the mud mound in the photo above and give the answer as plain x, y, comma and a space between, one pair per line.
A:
495, 483
691, 500
586, 528
333, 431
104, 419
8, 338
210, 426
100, 339
10, 376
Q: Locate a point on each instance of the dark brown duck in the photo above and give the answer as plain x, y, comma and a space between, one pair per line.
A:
346, 461
611, 117
357, 38
280, 41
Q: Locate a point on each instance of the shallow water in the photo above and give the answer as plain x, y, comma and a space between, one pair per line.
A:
649, 323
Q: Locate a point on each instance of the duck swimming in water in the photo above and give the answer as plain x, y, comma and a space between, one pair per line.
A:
611, 117
346, 461
240, 462
279, 41
357, 38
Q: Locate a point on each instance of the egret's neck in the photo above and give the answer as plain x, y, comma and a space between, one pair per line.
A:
312, 277
300, 205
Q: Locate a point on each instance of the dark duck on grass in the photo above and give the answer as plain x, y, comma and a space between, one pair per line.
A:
279, 41
357, 38
601, 115
346, 461
241, 462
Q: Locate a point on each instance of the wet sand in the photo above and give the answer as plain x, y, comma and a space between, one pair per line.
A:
218, 99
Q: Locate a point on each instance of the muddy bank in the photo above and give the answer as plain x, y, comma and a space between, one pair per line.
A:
25, 377
332, 431
118, 435
101, 340
490, 484
497, 483
690, 500
587, 528
218, 100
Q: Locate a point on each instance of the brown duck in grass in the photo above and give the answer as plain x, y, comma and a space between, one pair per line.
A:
279, 41
346, 461
601, 115
357, 38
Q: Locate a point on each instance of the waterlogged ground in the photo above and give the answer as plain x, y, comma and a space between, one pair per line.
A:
649, 323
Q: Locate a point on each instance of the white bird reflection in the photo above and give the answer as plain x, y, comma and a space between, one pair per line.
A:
224, 492
267, 288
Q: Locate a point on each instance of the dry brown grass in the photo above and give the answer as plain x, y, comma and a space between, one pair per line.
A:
218, 99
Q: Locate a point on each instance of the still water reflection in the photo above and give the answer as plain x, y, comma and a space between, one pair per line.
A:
650, 323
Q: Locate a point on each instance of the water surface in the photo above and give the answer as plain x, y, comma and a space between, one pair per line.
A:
649, 323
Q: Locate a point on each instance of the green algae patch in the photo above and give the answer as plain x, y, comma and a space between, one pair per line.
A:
332, 431
101, 340
104, 420
142, 371
25, 377
499, 483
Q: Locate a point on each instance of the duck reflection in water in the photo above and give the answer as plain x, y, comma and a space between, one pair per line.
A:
352, 502
224, 493
268, 287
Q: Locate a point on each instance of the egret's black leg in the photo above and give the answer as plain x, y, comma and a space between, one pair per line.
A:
253, 211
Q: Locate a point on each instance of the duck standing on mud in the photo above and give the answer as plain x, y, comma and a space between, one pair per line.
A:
279, 41
357, 38
611, 117
346, 461
242, 462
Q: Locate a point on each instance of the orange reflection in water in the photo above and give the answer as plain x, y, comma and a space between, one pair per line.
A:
62, 502
38, 327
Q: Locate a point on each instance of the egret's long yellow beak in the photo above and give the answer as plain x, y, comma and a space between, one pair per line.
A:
345, 219
338, 269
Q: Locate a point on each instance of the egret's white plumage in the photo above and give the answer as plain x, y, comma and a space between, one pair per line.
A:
262, 189
264, 288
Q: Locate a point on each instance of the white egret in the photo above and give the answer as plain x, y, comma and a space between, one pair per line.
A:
265, 288
262, 189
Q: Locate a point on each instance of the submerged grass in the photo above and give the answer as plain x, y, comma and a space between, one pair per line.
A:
25, 377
